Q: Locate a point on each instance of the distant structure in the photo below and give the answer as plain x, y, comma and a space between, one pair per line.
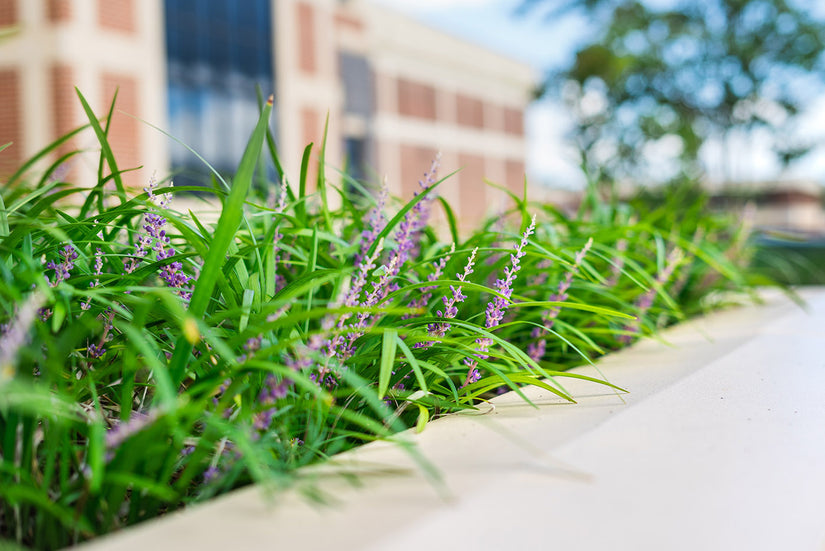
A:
791, 205
396, 92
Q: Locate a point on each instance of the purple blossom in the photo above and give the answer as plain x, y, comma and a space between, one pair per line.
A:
142, 244
538, 347
427, 292
645, 301
219, 394
341, 346
424, 207
155, 239
252, 345
439, 329
274, 389
62, 269
263, 419
96, 351
351, 299
211, 473
541, 278
98, 270
375, 223
119, 433
497, 306
618, 264
174, 277
408, 234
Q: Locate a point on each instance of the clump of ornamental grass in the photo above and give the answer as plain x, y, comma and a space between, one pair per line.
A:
149, 360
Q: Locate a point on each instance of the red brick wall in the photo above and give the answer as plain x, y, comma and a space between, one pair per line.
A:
8, 12
64, 100
470, 111
310, 126
514, 176
416, 99
11, 127
494, 118
124, 132
118, 15
311, 132
307, 54
59, 10
513, 121
472, 191
415, 162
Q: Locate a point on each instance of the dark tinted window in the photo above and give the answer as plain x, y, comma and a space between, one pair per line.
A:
217, 52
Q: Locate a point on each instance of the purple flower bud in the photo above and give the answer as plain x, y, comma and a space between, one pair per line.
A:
645, 301
537, 349
496, 307
439, 329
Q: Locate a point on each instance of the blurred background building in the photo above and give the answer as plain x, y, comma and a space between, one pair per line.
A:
396, 91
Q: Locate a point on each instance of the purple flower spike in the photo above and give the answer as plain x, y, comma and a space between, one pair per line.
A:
427, 292
211, 474
62, 269
155, 239
645, 301
375, 223
538, 347
497, 306
118, 434
618, 264
439, 329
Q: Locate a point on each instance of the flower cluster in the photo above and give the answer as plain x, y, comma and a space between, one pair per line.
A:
341, 346
98, 270
375, 223
437, 330
496, 307
156, 240
62, 269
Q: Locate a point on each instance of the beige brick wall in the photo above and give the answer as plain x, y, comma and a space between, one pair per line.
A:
10, 124
116, 15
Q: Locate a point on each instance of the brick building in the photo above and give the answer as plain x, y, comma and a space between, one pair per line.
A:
395, 91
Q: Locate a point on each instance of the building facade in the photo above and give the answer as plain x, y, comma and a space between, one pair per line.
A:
394, 92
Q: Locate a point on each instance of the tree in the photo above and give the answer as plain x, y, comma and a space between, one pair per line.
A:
658, 80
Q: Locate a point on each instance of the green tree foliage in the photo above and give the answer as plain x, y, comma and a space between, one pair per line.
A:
673, 75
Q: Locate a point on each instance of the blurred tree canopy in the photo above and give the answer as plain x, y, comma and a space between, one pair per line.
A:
663, 78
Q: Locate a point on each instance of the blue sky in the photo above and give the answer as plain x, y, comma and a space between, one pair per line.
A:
550, 45
493, 24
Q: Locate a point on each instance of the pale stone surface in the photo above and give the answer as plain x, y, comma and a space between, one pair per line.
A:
718, 445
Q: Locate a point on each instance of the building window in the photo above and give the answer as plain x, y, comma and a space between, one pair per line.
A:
356, 76
355, 150
416, 99
217, 51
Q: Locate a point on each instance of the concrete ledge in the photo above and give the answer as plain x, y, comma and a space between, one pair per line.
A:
719, 445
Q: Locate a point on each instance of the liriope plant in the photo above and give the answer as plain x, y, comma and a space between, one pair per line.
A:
149, 360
